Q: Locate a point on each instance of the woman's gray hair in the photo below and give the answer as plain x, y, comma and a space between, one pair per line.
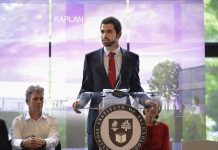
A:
32, 89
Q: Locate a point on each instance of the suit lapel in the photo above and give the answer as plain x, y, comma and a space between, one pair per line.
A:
103, 71
124, 62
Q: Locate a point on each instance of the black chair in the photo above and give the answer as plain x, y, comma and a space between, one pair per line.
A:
58, 147
10, 146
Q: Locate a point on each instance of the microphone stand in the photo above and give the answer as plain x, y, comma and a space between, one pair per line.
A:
116, 92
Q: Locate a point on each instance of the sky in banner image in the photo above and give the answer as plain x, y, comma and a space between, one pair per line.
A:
168, 30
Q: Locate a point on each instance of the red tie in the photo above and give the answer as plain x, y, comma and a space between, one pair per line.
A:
112, 70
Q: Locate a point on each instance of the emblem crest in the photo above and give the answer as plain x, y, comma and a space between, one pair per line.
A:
120, 131
120, 127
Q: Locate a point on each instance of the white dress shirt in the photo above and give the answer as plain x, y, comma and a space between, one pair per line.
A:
195, 109
24, 126
117, 58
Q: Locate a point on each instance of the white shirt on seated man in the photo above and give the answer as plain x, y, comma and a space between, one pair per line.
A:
34, 129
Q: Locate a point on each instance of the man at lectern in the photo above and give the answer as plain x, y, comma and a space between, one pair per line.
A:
110, 67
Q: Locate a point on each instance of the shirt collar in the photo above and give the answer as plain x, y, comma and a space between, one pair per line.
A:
27, 116
116, 51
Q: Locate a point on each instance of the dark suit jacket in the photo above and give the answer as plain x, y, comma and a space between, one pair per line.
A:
4, 142
95, 78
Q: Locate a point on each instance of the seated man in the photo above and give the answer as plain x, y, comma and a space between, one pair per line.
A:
4, 142
34, 129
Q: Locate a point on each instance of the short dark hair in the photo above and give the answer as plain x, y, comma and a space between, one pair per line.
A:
114, 21
196, 100
32, 89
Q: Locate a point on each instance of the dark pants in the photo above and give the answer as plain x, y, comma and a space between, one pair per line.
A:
92, 145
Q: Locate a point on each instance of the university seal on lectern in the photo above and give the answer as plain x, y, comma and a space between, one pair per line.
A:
120, 127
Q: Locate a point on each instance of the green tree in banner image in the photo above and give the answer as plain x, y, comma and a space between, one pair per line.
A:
165, 80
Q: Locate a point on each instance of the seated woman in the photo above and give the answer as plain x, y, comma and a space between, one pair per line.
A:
157, 137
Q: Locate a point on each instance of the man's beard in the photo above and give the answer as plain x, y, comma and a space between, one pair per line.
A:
108, 43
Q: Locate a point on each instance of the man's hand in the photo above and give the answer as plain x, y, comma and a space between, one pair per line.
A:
75, 106
33, 142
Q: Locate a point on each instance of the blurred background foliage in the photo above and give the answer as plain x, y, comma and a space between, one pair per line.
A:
212, 97
211, 20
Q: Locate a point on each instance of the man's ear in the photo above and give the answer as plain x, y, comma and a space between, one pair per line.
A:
119, 35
